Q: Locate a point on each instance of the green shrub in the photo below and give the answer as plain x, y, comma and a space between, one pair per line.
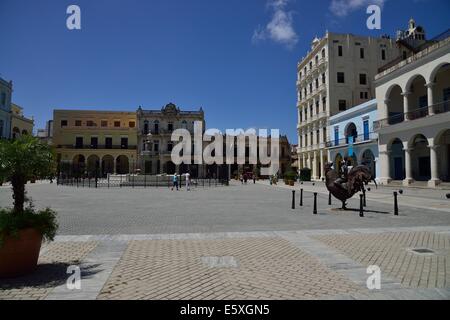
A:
44, 221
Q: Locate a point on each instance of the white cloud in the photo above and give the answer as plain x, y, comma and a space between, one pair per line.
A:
280, 28
342, 8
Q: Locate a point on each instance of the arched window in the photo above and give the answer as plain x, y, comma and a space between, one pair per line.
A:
156, 127
145, 127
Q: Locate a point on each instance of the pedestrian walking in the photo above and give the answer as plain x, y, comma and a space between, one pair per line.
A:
175, 181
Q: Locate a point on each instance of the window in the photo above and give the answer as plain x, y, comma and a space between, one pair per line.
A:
318, 136
170, 146
77, 123
108, 143
317, 59
132, 124
404, 55
311, 109
156, 127
364, 95
363, 79
340, 77
336, 136
310, 65
323, 53
361, 53
3, 99
90, 123
317, 83
323, 78
340, 51
79, 142
366, 130
324, 134
94, 142
310, 88
156, 146
324, 104
342, 105
117, 124
306, 114
170, 128
104, 123
299, 75
383, 54
124, 143
63, 123
317, 107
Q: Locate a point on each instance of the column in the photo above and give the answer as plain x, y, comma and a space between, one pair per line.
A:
321, 165
385, 168
304, 160
434, 166
115, 164
316, 165
406, 104
408, 167
430, 95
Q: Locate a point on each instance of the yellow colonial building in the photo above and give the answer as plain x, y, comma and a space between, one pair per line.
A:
91, 142
20, 125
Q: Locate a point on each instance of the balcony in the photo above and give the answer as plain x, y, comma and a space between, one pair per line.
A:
412, 115
95, 147
363, 138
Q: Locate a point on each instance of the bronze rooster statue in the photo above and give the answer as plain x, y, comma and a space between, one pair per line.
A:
344, 186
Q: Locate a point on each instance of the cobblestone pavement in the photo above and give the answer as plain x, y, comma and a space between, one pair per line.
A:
253, 268
393, 253
51, 271
248, 208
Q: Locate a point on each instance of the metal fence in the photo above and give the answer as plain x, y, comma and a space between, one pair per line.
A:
138, 181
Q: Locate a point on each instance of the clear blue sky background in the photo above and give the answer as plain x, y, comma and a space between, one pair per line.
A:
190, 52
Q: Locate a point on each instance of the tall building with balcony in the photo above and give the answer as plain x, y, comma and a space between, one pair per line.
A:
413, 98
6, 89
90, 142
155, 128
336, 74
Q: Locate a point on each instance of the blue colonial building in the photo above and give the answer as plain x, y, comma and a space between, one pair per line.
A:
5, 108
352, 137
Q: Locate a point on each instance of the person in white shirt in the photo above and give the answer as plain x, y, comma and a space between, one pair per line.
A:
188, 181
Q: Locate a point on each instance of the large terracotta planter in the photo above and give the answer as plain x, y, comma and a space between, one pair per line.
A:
19, 256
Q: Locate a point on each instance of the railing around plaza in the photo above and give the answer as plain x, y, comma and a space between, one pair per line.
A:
139, 181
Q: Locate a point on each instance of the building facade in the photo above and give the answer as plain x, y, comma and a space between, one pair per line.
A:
155, 128
335, 75
95, 142
6, 89
354, 138
413, 98
20, 125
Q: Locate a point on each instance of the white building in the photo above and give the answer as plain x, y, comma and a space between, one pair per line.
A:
413, 98
336, 75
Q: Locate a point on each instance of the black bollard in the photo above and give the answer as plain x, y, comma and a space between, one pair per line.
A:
361, 205
395, 204
364, 199
301, 197
329, 198
315, 203
293, 199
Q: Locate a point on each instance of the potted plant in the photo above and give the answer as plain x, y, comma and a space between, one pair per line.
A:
22, 228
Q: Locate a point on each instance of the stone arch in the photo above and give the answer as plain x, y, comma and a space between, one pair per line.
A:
351, 131
442, 140
440, 81
24, 132
107, 164
93, 165
394, 101
397, 159
79, 164
417, 96
420, 158
368, 159
122, 165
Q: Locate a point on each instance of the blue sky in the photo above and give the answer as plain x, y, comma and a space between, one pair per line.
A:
237, 59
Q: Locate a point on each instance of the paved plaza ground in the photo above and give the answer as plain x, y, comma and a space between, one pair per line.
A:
238, 242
